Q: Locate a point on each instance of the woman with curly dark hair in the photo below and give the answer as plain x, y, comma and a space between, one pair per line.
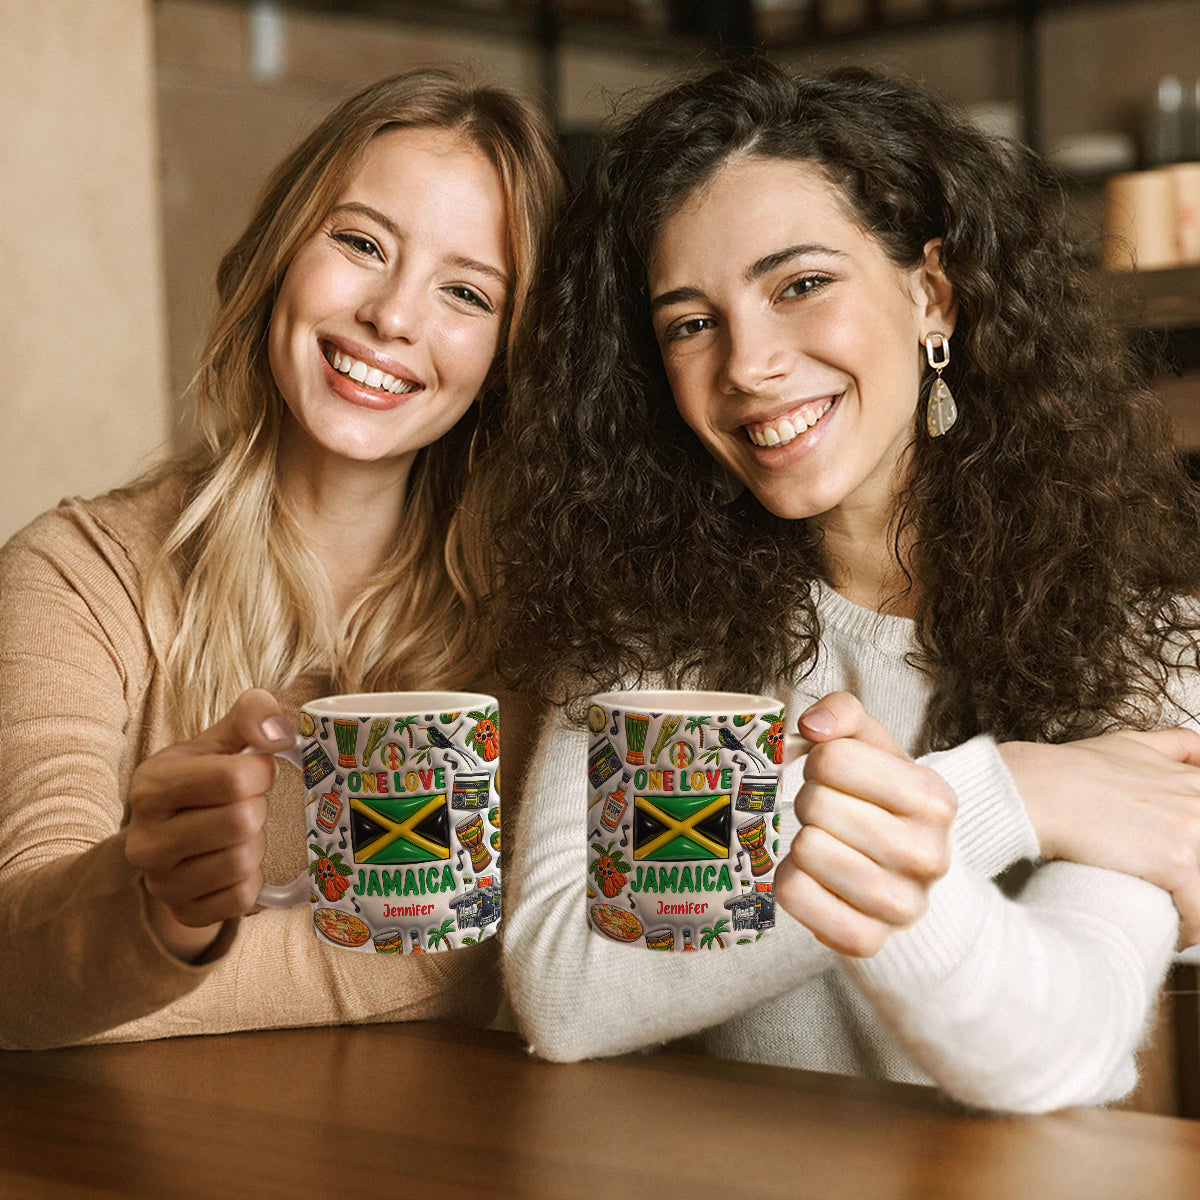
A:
822, 401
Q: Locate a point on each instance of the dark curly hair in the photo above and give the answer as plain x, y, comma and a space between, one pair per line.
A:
1053, 533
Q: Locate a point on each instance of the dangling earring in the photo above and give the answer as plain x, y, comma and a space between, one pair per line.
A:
942, 411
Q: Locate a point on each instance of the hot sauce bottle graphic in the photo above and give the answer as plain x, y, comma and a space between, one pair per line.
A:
687, 941
330, 809
615, 805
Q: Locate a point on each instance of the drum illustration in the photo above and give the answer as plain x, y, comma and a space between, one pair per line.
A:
636, 727
661, 939
346, 733
470, 834
753, 836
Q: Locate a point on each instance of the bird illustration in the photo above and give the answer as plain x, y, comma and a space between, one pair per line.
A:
439, 739
730, 742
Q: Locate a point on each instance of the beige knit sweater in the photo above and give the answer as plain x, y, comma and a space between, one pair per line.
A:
82, 702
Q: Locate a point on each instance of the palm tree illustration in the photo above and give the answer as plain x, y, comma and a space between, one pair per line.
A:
713, 934
405, 723
696, 724
442, 933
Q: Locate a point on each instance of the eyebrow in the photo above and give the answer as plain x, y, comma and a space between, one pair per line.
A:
462, 261
769, 262
754, 272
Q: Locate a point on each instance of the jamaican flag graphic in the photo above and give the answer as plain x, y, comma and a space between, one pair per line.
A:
399, 829
672, 828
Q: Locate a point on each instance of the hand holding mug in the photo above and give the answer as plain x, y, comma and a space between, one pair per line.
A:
196, 816
875, 833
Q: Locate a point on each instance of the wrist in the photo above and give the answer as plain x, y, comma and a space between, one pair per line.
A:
188, 943
1036, 790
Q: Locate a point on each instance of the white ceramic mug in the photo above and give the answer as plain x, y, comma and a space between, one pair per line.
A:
682, 816
402, 820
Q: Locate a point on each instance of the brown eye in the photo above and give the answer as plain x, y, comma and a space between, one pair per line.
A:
688, 329
359, 244
804, 286
469, 296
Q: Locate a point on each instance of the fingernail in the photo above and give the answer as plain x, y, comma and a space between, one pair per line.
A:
819, 720
276, 729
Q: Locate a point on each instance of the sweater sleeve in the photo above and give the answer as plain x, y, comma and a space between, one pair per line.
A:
79, 954
1031, 1004
992, 830
577, 995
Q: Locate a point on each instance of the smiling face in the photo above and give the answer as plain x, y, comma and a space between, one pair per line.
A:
388, 317
791, 341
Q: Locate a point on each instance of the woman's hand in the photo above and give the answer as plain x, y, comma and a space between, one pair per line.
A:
1129, 801
197, 811
875, 833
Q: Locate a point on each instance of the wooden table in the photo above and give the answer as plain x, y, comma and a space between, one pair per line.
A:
423, 1110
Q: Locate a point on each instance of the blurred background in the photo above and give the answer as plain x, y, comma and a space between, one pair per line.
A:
137, 133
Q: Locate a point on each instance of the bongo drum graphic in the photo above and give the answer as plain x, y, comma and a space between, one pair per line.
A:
636, 727
346, 733
753, 836
661, 939
470, 834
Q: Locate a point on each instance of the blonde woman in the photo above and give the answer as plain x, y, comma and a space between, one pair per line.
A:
323, 538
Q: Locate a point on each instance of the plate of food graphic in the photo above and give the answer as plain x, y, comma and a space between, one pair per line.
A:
619, 923
341, 928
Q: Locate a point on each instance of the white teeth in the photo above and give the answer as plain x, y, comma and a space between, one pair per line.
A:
371, 376
787, 429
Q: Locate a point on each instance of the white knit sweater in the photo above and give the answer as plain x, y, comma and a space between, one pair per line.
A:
1024, 1005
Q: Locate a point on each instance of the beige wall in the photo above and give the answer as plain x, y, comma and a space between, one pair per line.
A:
81, 301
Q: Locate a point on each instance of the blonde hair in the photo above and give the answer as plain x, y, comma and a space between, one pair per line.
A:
255, 607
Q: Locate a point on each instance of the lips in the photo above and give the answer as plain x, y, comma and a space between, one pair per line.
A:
367, 374
788, 426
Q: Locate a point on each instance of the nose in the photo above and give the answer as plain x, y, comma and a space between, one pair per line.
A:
394, 308
755, 355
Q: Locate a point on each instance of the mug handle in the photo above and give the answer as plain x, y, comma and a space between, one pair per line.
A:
795, 746
284, 895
